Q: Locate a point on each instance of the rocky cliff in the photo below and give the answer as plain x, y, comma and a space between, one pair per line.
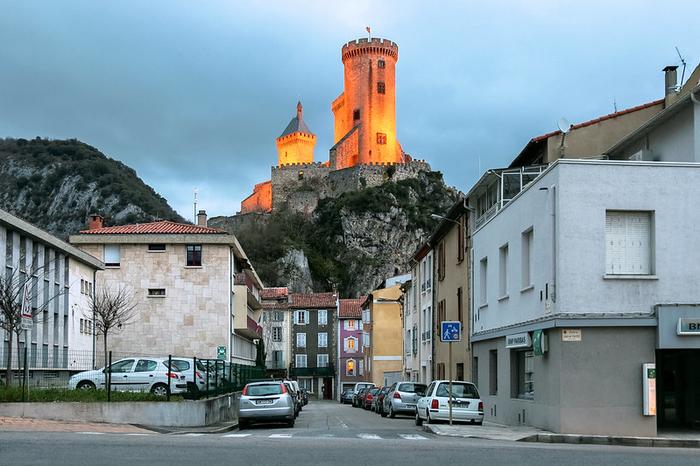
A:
56, 184
351, 242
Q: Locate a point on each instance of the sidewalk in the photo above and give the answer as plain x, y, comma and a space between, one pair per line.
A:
43, 425
492, 431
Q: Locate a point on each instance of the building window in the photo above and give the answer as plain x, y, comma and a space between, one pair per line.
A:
156, 292
361, 367
493, 372
441, 370
460, 238
526, 272
441, 311
460, 308
322, 360
350, 367
460, 371
300, 360
441, 261
381, 88
350, 324
381, 63
503, 271
112, 255
628, 243
414, 341
365, 339
350, 344
301, 340
483, 285
278, 316
524, 370
301, 317
278, 359
475, 371
322, 340
381, 138
322, 317
194, 255
276, 333
300, 175
356, 114
156, 247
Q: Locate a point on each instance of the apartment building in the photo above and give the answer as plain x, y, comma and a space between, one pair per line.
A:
419, 321
56, 281
277, 330
350, 349
385, 353
196, 292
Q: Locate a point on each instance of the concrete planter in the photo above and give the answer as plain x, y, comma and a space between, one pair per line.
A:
148, 413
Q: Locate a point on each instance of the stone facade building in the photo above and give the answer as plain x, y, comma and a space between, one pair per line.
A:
194, 288
350, 350
277, 330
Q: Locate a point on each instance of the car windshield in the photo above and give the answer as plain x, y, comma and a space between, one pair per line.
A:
459, 390
418, 388
265, 390
374, 391
179, 365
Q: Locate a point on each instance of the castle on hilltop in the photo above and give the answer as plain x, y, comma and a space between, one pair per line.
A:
365, 151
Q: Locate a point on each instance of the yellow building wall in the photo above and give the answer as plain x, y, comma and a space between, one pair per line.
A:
386, 336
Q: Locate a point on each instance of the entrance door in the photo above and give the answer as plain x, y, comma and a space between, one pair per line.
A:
327, 388
678, 388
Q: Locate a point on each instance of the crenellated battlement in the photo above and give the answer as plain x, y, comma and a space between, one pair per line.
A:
375, 46
300, 166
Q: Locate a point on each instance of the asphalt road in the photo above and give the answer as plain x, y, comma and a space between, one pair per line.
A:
326, 433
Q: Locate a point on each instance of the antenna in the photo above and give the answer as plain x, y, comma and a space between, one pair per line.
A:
564, 125
195, 204
683, 63
615, 104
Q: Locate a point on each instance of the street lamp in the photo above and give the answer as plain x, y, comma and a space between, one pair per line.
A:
441, 217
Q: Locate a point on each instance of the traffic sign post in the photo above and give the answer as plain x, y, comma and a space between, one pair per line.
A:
450, 331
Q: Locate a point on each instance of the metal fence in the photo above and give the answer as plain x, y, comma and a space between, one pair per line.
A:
53, 368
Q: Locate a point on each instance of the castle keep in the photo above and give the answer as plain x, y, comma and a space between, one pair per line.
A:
365, 143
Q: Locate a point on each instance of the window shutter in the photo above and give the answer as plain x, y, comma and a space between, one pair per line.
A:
638, 244
614, 243
306, 317
296, 319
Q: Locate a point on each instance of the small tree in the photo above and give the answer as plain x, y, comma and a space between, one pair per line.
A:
111, 310
18, 290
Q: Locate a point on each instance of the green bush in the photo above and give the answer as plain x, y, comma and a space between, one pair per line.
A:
14, 394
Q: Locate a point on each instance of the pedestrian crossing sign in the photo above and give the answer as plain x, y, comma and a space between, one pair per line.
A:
450, 330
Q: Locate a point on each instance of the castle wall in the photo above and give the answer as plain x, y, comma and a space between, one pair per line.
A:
260, 200
367, 176
290, 180
345, 153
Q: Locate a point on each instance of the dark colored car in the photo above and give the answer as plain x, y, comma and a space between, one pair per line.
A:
346, 396
378, 403
369, 397
358, 399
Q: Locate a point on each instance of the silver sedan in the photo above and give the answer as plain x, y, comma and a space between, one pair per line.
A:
266, 402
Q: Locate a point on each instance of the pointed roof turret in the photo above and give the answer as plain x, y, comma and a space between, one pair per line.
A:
296, 125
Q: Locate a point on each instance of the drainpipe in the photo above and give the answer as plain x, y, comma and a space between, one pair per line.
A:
94, 336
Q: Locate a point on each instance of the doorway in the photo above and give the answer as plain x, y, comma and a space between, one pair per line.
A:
678, 388
327, 388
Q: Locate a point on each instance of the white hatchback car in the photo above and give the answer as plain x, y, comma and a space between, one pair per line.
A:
141, 374
466, 403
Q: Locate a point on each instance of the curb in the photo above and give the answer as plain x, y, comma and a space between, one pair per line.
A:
192, 430
612, 440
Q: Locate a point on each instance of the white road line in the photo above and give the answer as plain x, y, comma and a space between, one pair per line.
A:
91, 433
412, 437
133, 434
191, 434
280, 436
369, 436
237, 435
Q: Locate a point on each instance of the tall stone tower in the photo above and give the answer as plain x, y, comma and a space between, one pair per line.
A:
296, 144
365, 113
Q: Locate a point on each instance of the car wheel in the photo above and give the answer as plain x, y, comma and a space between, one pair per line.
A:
290, 423
85, 385
383, 413
427, 418
392, 414
478, 423
419, 421
242, 424
160, 389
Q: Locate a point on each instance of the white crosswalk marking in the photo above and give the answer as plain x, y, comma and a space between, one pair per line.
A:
280, 436
191, 434
92, 433
369, 436
237, 435
412, 437
135, 434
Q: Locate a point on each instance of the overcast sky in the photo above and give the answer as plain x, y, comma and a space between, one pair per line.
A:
194, 93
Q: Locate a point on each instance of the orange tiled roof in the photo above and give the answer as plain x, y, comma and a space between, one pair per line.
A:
277, 292
351, 308
161, 227
312, 300
275, 305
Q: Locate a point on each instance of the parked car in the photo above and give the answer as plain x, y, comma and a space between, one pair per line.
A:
359, 399
295, 393
266, 402
402, 398
358, 388
346, 396
369, 397
378, 403
466, 403
141, 374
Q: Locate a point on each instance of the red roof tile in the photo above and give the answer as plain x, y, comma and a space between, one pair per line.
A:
599, 119
275, 304
351, 308
159, 228
312, 300
277, 292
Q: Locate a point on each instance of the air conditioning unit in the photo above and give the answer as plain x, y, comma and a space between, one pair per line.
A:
642, 155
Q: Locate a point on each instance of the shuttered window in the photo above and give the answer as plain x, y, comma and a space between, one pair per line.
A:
112, 255
628, 243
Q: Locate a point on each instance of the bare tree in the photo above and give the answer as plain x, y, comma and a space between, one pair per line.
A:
19, 295
111, 310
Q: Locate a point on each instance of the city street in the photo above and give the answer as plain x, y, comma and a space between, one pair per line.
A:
326, 432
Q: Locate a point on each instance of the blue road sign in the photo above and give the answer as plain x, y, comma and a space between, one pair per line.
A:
450, 331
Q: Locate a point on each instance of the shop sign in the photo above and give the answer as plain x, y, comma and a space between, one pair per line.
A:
539, 342
221, 352
688, 326
649, 388
518, 340
571, 334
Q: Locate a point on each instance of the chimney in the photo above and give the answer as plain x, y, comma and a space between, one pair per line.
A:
671, 80
202, 218
95, 221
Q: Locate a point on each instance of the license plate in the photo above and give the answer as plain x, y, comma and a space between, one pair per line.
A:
263, 402
408, 405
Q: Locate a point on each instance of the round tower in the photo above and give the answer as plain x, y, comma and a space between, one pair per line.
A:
369, 99
296, 143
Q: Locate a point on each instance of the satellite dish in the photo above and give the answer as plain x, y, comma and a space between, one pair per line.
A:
564, 125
